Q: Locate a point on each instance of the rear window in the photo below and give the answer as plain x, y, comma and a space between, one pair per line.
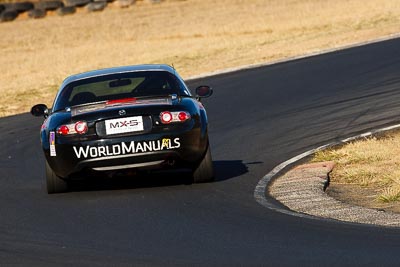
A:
119, 86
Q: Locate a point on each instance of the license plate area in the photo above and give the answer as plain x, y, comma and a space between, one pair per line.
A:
124, 125
101, 128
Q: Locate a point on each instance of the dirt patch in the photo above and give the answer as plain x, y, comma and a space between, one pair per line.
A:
361, 196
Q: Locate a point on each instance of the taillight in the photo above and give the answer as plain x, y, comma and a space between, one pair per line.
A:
166, 117
79, 127
183, 116
176, 116
63, 130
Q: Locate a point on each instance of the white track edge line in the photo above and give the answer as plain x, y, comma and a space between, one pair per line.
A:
261, 189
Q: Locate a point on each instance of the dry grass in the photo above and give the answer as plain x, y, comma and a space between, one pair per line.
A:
371, 162
196, 36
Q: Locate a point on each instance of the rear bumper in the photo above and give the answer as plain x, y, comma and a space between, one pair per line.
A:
143, 160
154, 151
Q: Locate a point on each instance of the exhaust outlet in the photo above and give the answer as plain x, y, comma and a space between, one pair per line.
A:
171, 162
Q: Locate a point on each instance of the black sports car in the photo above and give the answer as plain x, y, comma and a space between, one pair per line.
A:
125, 118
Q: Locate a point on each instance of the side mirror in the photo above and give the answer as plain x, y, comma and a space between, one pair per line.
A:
39, 110
203, 91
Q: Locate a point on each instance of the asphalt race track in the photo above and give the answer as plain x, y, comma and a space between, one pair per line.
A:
258, 119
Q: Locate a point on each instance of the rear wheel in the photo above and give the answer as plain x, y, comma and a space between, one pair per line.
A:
204, 172
54, 183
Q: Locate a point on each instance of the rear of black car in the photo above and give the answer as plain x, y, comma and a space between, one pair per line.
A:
110, 143
139, 117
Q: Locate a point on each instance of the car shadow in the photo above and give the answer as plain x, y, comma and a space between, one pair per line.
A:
223, 170
228, 169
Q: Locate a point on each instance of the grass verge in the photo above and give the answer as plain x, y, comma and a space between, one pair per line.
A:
196, 36
372, 163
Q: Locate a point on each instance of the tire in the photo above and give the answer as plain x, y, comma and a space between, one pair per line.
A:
22, 6
49, 5
77, 3
96, 6
2, 8
124, 3
66, 10
204, 171
37, 13
8, 15
8, 6
54, 183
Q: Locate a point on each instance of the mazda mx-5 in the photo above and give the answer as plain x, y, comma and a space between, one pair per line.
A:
140, 118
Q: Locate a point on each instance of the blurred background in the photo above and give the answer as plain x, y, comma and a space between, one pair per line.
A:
42, 42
